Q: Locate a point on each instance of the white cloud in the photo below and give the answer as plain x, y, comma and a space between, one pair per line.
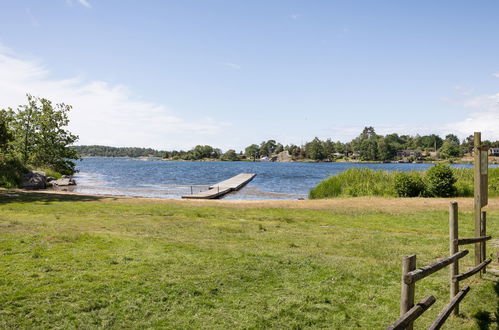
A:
102, 113
483, 116
496, 74
232, 65
84, 3
294, 16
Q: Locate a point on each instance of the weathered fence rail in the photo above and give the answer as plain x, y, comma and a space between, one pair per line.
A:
412, 314
464, 241
410, 275
471, 272
425, 271
445, 313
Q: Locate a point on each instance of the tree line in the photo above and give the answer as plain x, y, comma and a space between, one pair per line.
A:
105, 151
367, 146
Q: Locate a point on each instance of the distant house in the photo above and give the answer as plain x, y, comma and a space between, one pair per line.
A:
494, 151
406, 153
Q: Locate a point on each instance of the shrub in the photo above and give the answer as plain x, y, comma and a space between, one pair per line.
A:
11, 173
409, 184
440, 181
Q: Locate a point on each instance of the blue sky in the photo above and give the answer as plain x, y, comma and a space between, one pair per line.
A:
173, 74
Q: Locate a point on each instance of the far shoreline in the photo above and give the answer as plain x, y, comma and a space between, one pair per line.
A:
492, 160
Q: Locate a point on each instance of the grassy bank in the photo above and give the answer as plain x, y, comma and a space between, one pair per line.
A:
90, 262
357, 182
12, 173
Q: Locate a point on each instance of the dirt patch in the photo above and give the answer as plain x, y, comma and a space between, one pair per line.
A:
390, 205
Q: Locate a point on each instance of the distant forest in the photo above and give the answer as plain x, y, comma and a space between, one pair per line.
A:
104, 151
367, 146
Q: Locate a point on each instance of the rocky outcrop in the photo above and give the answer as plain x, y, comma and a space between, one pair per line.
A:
35, 180
65, 181
283, 156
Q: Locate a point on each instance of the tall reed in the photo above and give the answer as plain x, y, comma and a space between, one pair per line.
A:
356, 182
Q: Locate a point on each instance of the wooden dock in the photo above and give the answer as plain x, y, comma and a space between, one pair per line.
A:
222, 188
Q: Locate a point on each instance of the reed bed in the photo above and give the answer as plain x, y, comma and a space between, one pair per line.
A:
356, 182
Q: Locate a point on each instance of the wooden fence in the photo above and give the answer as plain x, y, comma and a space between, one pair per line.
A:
409, 311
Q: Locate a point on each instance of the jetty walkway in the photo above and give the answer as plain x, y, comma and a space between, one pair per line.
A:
222, 188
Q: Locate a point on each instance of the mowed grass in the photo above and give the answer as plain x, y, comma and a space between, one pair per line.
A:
89, 262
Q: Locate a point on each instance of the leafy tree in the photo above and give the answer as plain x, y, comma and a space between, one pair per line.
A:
468, 144
267, 148
200, 152
386, 150
450, 149
315, 150
279, 148
428, 142
328, 147
452, 138
366, 144
6, 134
25, 129
230, 155
40, 137
252, 151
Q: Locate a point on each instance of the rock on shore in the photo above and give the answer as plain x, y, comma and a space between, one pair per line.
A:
38, 180
35, 180
65, 181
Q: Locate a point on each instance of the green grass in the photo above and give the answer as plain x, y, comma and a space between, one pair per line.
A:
85, 262
356, 182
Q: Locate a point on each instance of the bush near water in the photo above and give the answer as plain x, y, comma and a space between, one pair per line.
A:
438, 181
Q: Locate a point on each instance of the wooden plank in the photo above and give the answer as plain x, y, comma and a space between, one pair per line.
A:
408, 290
444, 314
209, 194
236, 182
422, 272
464, 241
408, 318
222, 188
473, 271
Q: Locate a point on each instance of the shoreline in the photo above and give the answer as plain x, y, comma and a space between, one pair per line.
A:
492, 160
347, 204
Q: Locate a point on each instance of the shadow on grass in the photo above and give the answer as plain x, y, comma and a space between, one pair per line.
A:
484, 319
14, 196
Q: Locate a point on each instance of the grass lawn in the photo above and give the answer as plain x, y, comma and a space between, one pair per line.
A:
91, 262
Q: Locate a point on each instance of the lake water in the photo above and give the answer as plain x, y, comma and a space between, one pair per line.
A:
170, 179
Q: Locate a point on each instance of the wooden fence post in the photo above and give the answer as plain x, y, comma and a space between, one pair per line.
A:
407, 294
483, 232
453, 248
477, 192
